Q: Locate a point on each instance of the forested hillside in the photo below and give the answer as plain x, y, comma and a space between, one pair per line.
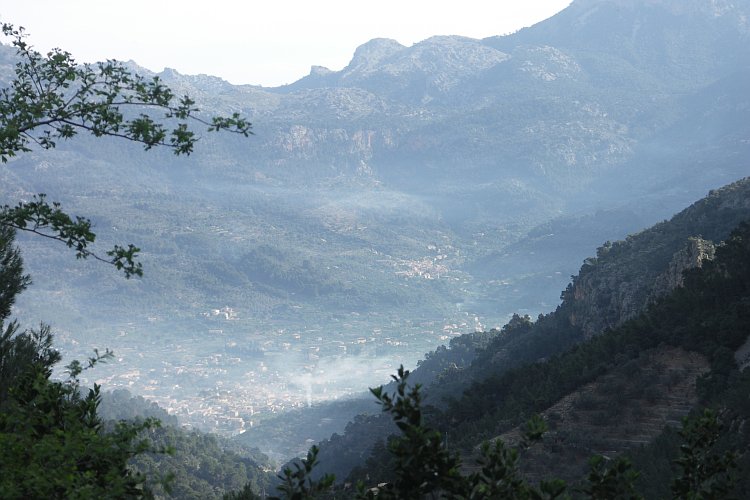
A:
196, 464
621, 283
614, 393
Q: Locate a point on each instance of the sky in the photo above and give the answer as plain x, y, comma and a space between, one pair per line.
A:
267, 43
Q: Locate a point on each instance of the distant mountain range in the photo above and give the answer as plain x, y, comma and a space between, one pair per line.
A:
453, 182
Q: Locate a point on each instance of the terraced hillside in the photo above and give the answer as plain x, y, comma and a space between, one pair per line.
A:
626, 408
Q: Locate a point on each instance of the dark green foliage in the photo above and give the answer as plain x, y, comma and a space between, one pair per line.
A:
12, 279
19, 352
705, 474
341, 453
200, 465
519, 342
422, 464
610, 481
655, 462
499, 475
297, 484
245, 493
424, 468
53, 444
444, 363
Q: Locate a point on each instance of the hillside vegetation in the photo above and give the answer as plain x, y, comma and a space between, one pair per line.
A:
620, 284
615, 393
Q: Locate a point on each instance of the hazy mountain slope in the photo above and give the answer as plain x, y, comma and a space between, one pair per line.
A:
379, 202
666, 321
653, 368
504, 128
626, 276
650, 35
617, 285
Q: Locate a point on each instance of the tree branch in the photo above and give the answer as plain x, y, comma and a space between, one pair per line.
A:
53, 98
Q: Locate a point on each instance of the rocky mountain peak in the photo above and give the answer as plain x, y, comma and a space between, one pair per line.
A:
375, 51
428, 68
170, 73
319, 71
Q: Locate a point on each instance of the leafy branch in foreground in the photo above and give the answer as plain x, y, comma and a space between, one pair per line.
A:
613, 479
52, 98
423, 464
52, 442
297, 484
425, 468
705, 472
49, 221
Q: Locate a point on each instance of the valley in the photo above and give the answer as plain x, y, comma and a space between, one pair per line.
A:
443, 194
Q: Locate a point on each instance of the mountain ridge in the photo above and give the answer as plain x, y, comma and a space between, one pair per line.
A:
618, 285
423, 191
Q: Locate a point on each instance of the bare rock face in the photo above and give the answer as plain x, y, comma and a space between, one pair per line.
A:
692, 255
625, 277
608, 299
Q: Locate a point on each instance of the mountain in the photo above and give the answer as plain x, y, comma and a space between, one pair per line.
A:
381, 210
613, 398
696, 330
621, 283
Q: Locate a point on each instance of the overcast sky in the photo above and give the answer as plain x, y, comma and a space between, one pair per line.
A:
264, 43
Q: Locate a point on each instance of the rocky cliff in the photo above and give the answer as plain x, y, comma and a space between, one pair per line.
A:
627, 275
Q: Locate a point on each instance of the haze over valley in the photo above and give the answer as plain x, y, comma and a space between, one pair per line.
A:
380, 211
